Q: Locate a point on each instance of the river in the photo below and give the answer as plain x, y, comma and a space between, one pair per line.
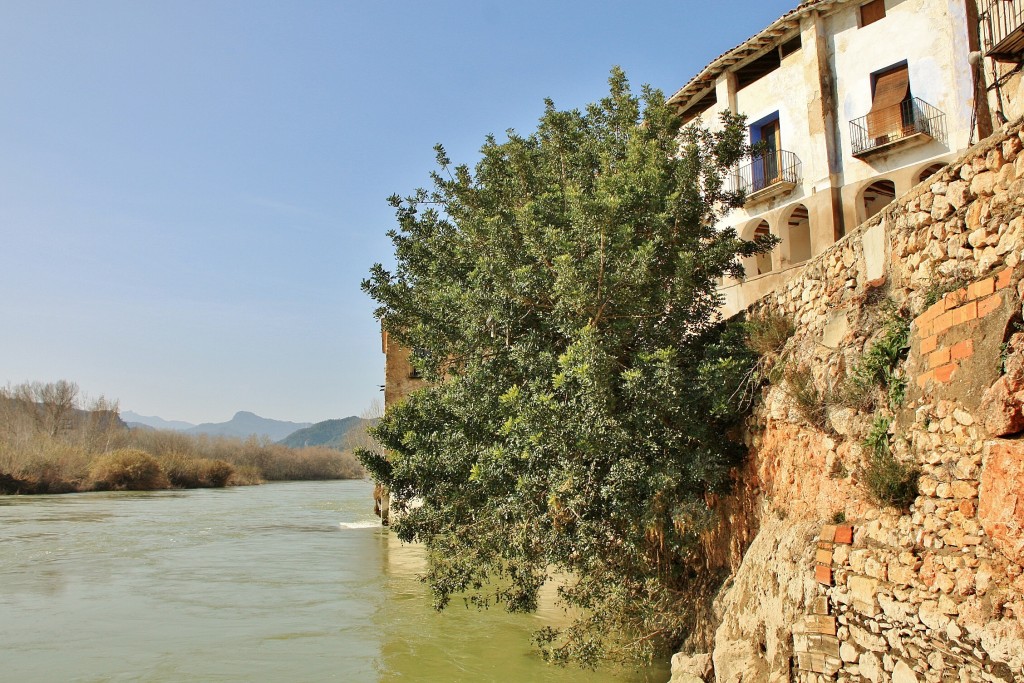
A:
282, 582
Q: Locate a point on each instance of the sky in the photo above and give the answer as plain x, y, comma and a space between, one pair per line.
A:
192, 191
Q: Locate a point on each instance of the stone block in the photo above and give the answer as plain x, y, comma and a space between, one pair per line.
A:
902, 673
819, 605
983, 184
687, 668
863, 589
870, 667
958, 194
823, 644
874, 242
820, 624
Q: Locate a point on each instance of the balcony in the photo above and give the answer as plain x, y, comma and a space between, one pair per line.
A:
910, 122
1002, 29
768, 174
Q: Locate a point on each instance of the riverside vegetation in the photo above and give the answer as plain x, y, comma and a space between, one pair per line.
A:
52, 440
561, 297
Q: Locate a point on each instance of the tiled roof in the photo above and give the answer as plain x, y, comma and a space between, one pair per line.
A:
772, 34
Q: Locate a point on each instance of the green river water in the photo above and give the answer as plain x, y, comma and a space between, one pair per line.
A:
282, 582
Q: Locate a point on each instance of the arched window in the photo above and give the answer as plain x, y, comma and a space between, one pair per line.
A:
763, 261
929, 172
877, 196
799, 237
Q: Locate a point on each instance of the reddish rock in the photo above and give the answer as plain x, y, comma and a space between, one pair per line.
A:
1001, 408
1001, 504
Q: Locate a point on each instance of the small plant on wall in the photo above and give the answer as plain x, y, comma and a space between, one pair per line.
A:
889, 481
880, 367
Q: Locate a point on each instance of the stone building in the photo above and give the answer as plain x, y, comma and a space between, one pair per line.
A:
400, 380
853, 104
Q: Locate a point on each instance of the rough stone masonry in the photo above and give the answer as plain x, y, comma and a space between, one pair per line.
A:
931, 593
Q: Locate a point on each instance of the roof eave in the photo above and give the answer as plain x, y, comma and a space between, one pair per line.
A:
775, 31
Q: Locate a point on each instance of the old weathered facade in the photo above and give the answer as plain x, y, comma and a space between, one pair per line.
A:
853, 104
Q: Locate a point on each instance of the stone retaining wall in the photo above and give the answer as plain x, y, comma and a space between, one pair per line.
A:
936, 592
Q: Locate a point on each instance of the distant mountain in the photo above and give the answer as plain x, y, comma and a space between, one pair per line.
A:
327, 433
135, 420
245, 424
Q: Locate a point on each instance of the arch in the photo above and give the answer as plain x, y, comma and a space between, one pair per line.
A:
763, 262
798, 237
876, 196
928, 171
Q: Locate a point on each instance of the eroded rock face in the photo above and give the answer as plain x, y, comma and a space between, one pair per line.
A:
755, 640
933, 591
1001, 505
1002, 407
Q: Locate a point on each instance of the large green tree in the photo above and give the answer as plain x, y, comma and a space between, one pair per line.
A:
561, 298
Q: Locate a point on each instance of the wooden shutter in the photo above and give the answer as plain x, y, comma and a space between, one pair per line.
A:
886, 115
872, 12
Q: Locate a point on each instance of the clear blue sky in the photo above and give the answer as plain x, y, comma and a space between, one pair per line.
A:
191, 191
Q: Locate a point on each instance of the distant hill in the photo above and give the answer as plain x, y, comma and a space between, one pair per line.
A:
327, 433
245, 424
154, 422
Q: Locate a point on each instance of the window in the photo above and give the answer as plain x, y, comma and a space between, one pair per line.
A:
766, 136
872, 12
763, 262
891, 89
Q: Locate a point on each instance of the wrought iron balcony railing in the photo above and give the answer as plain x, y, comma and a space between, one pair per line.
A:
767, 173
886, 127
1002, 28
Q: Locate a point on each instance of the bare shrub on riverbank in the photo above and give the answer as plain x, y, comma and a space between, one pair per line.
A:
127, 469
264, 459
187, 472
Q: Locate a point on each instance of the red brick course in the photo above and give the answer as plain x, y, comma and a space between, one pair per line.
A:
975, 301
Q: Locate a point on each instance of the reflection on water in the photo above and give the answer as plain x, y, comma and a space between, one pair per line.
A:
283, 582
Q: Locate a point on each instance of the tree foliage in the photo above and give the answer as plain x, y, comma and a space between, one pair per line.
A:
561, 298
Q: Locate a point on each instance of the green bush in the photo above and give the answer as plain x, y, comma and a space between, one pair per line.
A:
889, 481
127, 469
879, 367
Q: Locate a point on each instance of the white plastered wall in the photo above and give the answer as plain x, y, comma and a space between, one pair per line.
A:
931, 37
